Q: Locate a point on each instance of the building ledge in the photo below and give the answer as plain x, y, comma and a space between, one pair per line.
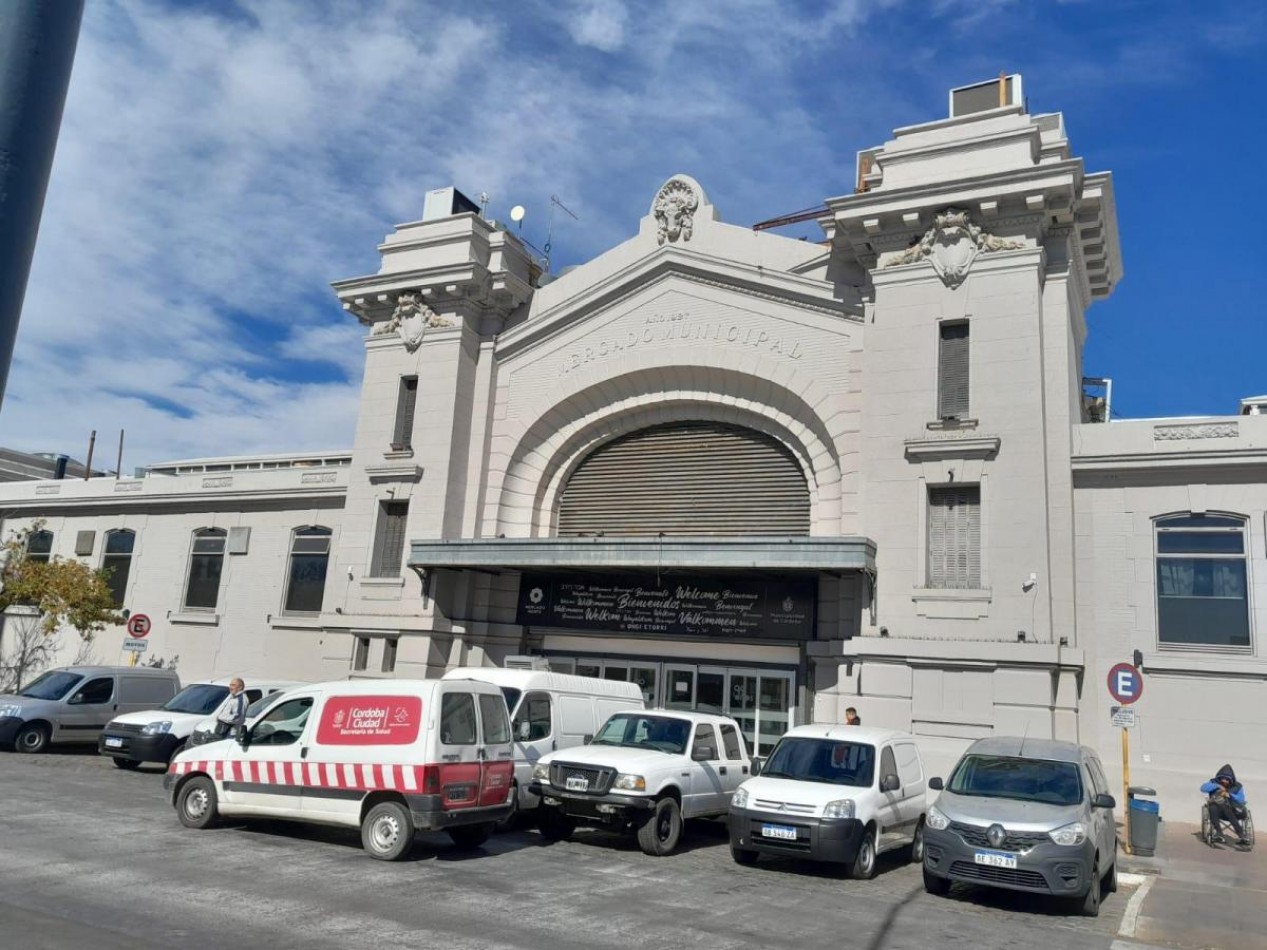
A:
205, 618
383, 581
678, 553
946, 652
295, 621
394, 472
1187, 664
952, 446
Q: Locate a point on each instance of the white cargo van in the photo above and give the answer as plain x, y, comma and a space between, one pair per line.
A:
551, 711
387, 756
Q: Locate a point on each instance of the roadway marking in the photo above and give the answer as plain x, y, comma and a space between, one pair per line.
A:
1130, 920
1132, 880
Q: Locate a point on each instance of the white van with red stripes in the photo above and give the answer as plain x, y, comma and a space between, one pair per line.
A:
387, 756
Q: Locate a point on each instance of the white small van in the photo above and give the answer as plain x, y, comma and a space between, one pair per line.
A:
551, 711
387, 756
833, 793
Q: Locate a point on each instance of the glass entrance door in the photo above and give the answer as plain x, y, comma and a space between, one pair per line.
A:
679, 687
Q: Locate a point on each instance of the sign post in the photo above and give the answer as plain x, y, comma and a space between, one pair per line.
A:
1126, 685
138, 629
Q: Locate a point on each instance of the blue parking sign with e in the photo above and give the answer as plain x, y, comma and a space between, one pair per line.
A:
1126, 683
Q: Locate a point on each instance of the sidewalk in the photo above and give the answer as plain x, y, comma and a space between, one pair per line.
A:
1198, 897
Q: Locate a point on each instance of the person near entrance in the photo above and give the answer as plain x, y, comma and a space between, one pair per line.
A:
852, 718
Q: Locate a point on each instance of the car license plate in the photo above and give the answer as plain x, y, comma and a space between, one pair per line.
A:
778, 831
995, 859
577, 783
112, 743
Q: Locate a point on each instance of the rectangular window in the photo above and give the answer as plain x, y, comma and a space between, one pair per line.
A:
705, 741
389, 654
496, 722
389, 539
1202, 584
457, 719
39, 546
952, 371
954, 537
406, 402
730, 739
117, 562
206, 561
360, 653
309, 559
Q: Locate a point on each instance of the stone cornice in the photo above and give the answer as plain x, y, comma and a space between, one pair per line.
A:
947, 447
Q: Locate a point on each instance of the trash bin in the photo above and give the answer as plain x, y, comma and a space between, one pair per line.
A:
1145, 814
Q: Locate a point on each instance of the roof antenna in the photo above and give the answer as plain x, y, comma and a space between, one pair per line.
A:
1024, 736
554, 202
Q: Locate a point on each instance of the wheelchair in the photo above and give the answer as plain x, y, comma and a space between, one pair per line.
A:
1246, 818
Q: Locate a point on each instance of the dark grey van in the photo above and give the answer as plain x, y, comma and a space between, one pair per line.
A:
74, 703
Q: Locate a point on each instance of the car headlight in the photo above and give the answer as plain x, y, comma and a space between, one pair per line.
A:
740, 798
1069, 835
936, 820
157, 728
11, 710
630, 783
541, 773
840, 808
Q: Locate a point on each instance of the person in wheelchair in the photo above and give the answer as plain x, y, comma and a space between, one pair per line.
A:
1226, 803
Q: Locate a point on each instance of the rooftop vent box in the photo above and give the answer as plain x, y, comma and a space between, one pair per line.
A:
983, 96
445, 203
527, 663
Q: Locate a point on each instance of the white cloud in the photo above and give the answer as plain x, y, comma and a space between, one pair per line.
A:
599, 23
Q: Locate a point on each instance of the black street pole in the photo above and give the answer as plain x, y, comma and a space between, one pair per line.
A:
37, 49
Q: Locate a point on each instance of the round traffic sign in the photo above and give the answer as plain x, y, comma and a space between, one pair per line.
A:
138, 626
1126, 684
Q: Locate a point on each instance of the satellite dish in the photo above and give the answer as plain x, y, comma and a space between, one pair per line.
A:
517, 213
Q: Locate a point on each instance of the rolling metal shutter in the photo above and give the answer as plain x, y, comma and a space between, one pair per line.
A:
952, 372
687, 479
954, 537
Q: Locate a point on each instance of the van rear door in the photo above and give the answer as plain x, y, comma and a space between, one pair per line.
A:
461, 752
497, 752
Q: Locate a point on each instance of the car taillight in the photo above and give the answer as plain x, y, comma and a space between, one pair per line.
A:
431, 779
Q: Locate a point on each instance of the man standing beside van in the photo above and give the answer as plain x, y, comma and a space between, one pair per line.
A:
232, 716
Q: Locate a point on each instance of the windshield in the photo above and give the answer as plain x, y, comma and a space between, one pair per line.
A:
198, 698
512, 696
822, 760
1025, 780
661, 733
54, 684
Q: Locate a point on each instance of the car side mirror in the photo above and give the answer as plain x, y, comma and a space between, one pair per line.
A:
75, 700
523, 730
703, 753
890, 783
1103, 801
589, 737
756, 766
935, 784
244, 739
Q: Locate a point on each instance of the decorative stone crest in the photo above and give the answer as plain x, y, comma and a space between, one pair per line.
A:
951, 245
1204, 430
674, 209
411, 320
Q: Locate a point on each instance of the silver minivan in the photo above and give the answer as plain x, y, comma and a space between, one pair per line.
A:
1030, 815
74, 703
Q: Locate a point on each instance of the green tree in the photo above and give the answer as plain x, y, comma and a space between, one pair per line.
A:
38, 599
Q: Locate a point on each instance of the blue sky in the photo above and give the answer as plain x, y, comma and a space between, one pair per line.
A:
220, 163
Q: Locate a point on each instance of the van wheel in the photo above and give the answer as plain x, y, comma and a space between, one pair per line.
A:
387, 832
863, 867
554, 824
471, 836
744, 857
659, 834
1089, 905
939, 886
917, 846
196, 803
32, 738
128, 765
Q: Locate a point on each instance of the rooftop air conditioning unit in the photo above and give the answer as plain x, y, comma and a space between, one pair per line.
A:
983, 96
527, 663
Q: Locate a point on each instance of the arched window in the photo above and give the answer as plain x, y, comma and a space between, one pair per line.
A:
206, 563
39, 546
1202, 583
306, 579
116, 561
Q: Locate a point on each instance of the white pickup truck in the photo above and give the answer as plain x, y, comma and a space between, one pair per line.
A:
644, 771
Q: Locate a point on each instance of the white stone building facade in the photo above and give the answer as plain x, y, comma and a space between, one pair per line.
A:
767, 476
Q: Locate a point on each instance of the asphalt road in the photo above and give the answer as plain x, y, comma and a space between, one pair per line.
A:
94, 857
